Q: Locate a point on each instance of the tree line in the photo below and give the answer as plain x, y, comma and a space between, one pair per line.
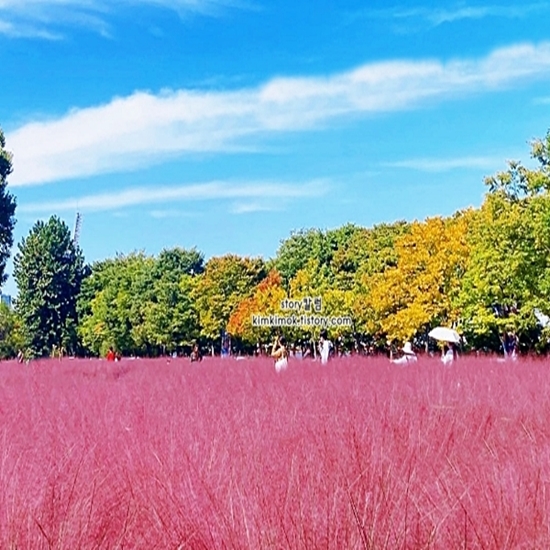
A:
484, 271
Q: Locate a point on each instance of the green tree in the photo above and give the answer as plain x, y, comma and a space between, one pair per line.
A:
300, 248
48, 269
509, 269
357, 267
10, 332
140, 304
326, 248
368, 251
113, 303
171, 321
508, 274
173, 263
7, 208
518, 181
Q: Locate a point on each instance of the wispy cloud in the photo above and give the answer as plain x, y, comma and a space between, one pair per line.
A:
167, 213
255, 206
437, 16
46, 19
239, 193
26, 30
448, 164
145, 128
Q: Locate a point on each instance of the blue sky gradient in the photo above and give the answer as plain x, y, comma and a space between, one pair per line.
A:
227, 124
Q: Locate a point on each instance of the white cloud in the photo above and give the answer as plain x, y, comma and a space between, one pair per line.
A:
26, 31
240, 193
438, 16
145, 128
254, 206
45, 18
447, 164
166, 213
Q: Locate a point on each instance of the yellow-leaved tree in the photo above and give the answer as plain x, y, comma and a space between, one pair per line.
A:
418, 293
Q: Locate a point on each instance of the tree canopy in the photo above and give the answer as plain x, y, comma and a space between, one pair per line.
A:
7, 208
49, 269
484, 271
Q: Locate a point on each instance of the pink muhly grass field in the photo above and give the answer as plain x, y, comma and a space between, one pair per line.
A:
230, 454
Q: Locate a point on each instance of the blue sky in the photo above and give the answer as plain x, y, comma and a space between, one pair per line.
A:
226, 124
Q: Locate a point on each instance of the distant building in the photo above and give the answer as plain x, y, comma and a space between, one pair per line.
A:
5, 299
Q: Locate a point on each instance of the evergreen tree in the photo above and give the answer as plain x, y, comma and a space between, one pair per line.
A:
48, 270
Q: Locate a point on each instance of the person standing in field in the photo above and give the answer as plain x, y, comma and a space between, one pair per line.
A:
279, 352
111, 354
325, 347
510, 345
409, 356
448, 354
196, 353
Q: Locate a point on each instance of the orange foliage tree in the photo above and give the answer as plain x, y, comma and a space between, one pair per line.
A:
265, 300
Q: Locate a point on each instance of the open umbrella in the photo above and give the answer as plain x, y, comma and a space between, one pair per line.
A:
445, 334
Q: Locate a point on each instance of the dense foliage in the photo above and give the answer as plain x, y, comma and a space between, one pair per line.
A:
49, 269
139, 304
484, 271
11, 337
7, 208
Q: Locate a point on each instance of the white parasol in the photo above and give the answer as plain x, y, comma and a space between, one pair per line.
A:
445, 334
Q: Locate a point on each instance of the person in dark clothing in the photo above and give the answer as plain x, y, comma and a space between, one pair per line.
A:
196, 353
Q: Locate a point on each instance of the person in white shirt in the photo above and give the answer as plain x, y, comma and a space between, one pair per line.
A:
448, 354
408, 355
279, 352
325, 345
